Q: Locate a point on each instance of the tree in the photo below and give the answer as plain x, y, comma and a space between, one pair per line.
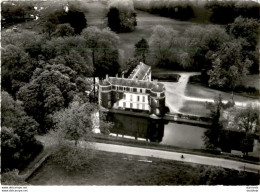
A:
75, 17
17, 135
121, 16
47, 92
228, 66
103, 45
163, 47
212, 136
247, 31
63, 30
75, 124
17, 68
141, 49
201, 43
245, 120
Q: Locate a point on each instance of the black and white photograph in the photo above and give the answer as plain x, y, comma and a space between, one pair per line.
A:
141, 93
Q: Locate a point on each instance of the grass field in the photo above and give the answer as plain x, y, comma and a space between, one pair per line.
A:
118, 169
252, 81
195, 108
199, 91
145, 25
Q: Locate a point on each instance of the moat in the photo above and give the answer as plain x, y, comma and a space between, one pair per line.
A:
161, 131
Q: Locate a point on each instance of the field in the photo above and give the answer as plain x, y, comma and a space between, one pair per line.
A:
252, 81
95, 13
195, 108
118, 169
199, 91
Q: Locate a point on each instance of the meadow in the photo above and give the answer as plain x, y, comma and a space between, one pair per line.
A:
105, 168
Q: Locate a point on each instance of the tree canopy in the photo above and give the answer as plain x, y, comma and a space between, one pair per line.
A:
17, 134
121, 16
141, 49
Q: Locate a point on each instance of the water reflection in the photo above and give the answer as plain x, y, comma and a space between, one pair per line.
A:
168, 133
136, 127
159, 131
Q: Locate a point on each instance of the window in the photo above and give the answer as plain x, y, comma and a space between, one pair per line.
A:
143, 98
131, 105
137, 106
143, 106
124, 104
124, 96
137, 98
131, 97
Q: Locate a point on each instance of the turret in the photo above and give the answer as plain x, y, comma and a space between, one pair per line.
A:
104, 96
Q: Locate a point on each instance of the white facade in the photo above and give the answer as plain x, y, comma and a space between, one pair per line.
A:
134, 101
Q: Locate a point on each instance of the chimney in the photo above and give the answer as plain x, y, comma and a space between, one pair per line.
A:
107, 77
117, 75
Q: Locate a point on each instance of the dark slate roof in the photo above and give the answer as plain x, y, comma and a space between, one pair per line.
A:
139, 72
104, 83
156, 87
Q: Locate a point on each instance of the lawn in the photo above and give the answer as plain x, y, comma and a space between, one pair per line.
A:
200, 91
118, 169
195, 108
145, 25
252, 81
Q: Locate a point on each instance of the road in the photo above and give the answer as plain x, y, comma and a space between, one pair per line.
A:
225, 163
170, 155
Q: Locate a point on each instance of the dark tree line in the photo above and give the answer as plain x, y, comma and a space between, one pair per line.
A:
220, 12
224, 12
16, 14
74, 17
121, 16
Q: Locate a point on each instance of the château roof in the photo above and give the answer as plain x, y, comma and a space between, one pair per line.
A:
154, 86
140, 71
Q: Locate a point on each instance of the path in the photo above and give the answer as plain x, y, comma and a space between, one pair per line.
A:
189, 158
175, 91
231, 164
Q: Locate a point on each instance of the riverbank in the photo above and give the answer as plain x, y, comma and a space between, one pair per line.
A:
99, 138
